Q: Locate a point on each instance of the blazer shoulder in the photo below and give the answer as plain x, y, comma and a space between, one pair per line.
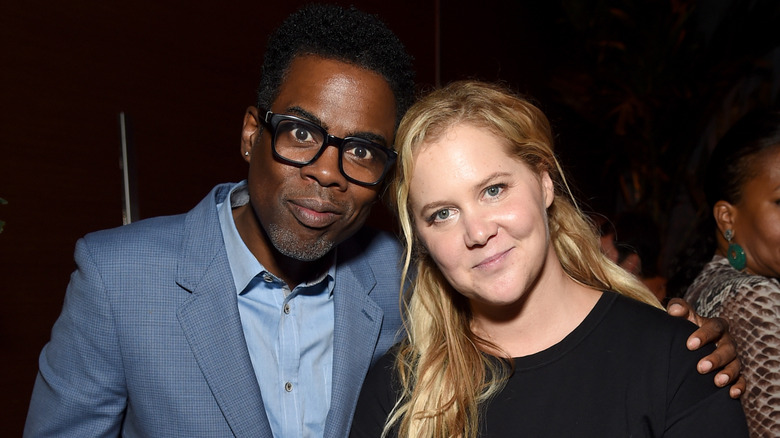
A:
154, 237
375, 246
139, 238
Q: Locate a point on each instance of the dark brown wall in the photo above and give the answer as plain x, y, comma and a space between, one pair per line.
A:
183, 71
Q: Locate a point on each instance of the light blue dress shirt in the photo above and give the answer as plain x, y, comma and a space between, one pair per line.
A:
289, 334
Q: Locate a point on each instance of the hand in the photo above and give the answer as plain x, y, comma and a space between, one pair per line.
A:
712, 330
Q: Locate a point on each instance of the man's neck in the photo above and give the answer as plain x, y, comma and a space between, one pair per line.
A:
295, 272
292, 271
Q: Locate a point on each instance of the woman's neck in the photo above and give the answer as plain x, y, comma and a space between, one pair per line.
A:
552, 309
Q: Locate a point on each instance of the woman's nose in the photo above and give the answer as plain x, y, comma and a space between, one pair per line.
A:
479, 228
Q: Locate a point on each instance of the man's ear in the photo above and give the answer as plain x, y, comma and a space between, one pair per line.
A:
725, 215
249, 132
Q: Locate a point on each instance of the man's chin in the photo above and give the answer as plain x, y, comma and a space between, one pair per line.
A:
293, 246
309, 254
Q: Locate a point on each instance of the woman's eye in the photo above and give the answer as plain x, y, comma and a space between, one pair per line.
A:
440, 215
493, 191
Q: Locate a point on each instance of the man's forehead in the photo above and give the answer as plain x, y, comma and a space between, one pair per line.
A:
312, 68
337, 95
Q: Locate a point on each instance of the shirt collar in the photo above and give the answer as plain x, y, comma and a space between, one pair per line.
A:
243, 264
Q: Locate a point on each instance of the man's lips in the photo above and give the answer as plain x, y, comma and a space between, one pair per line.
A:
314, 213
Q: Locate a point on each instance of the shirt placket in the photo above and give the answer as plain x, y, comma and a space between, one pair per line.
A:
289, 363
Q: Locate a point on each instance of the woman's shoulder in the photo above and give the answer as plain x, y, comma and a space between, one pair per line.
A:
383, 372
626, 313
377, 397
718, 272
719, 282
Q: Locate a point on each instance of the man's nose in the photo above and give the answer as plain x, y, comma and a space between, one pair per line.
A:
325, 170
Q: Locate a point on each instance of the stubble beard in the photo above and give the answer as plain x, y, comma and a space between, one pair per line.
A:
291, 246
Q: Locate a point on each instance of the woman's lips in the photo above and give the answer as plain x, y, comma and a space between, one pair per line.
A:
493, 260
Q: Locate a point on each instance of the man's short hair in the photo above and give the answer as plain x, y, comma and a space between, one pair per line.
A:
346, 35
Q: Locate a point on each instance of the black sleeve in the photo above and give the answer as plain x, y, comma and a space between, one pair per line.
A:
696, 407
377, 399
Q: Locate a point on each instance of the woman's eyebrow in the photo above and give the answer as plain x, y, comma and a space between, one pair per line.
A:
476, 187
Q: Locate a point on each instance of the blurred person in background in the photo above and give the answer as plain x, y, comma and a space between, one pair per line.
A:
736, 261
634, 243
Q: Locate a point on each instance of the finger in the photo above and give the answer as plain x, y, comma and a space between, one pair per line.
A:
676, 308
714, 330
681, 309
725, 357
728, 374
738, 388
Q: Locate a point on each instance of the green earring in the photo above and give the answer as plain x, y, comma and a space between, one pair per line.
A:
735, 253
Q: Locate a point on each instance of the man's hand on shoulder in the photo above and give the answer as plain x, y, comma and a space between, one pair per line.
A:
724, 358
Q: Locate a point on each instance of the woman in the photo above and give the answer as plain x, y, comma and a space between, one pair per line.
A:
740, 281
509, 331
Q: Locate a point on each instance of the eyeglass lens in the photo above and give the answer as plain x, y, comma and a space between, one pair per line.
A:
300, 142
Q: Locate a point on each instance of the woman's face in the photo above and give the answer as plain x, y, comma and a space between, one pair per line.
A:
757, 216
481, 214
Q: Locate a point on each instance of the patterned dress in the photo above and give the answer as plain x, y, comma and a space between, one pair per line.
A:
751, 304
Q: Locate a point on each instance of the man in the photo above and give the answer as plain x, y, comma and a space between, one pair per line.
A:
259, 312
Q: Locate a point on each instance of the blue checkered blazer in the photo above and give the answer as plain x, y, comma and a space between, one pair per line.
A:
149, 341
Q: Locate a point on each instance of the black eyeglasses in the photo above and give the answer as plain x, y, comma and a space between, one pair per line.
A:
300, 142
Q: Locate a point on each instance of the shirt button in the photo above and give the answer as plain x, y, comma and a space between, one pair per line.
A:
287, 308
288, 387
267, 278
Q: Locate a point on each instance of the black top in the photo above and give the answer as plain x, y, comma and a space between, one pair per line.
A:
623, 372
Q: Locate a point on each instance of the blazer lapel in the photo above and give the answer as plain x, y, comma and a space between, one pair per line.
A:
358, 320
211, 323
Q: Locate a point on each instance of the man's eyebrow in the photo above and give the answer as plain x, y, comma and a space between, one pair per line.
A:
370, 136
302, 113
366, 135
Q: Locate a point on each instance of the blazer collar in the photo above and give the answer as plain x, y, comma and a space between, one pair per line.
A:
211, 323
358, 320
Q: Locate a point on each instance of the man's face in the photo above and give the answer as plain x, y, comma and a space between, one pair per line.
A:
306, 211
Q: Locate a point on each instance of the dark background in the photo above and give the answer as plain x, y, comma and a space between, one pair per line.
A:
637, 91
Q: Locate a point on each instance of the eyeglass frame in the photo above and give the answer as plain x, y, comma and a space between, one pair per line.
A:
272, 120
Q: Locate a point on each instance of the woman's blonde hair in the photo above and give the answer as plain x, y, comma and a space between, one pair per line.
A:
443, 370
